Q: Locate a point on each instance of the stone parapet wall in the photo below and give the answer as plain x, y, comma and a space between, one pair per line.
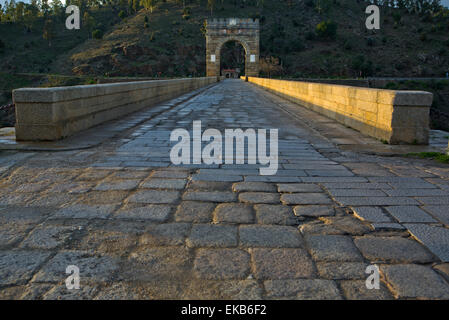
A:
397, 117
55, 113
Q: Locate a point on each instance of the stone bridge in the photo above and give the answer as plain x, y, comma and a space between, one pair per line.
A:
110, 201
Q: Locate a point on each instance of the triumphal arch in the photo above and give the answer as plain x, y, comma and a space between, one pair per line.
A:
243, 31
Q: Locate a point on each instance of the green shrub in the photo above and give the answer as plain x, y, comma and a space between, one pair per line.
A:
396, 17
310, 35
364, 68
347, 45
122, 14
186, 13
255, 16
298, 44
440, 157
326, 29
391, 86
370, 42
97, 34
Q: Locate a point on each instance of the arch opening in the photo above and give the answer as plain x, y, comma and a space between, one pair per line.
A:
232, 55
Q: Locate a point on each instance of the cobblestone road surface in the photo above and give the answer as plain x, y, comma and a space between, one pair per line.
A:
139, 227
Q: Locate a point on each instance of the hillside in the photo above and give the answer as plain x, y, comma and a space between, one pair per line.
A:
170, 41
24, 50
407, 45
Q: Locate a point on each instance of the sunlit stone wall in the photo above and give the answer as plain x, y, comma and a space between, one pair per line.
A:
397, 117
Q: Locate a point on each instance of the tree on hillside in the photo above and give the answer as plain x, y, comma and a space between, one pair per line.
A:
327, 29
135, 5
210, 5
322, 6
18, 11
30, 16
88, 22
57, 9
183, 3
45, 8
149, 5
122, 4
48, 31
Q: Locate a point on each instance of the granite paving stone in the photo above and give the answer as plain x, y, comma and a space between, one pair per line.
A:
17, 267
298, 187
356, 193
282, 263
209, 235
270, 236
409, 214
194, 211
393, 250
342, 270
92, 267
154, 196
415, 281
332, 248
357, 290
442, 269
275, 214
117, 185
151, 212
253, 187
222, 264
212, 196
167, 234
303, 289
84, 211
314, 210
157, 263
163, 183
372, 214
439, 212
434, 200
233, 213
259, 197
305, 198
435, 238
376, 201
